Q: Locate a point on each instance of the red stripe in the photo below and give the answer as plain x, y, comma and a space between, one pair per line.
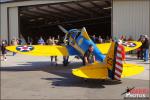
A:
116, 78
119, 58
118, 69
119, 52
119, 46
117, 75
119, 49
118, 64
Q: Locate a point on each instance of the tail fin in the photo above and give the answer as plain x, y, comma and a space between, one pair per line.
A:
113, 61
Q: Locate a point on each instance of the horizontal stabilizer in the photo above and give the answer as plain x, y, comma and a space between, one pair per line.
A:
131, 69
98, 71
92, 71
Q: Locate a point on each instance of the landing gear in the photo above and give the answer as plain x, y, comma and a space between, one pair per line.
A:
65, 60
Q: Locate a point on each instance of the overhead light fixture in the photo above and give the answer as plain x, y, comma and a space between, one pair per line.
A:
107, 8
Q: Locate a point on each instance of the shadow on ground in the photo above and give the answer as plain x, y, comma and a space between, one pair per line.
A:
66, 78
78, 82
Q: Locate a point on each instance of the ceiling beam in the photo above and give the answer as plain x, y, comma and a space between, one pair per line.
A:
41, 12
34, 14
74, 21
101, 10
48, 13
62, 12
87, 8
24, 15
108, 3
75, 10
94, 4
30, 16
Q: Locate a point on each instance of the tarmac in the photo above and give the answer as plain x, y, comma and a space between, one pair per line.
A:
31, 77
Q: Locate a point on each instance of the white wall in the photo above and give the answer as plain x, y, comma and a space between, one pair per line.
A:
3, 23
131, 17
13, 23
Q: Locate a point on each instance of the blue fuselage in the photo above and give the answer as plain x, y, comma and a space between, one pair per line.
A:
83, 44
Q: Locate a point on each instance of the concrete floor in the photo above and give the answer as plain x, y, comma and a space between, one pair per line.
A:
30, 77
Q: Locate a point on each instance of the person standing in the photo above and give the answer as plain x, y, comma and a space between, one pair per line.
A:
130, 39
146, 48
19, 41
55, 57
41, 41
139, 50
94, 38
29, 41
49, 41
14, 42
100, 40
3, 50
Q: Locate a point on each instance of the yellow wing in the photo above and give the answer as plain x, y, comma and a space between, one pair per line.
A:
99, 71
92, 71
39, 50
131, 69
129, 45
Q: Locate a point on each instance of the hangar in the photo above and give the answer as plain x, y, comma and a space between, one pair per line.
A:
108, 18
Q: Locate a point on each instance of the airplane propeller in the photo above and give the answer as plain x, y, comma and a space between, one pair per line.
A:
65, 31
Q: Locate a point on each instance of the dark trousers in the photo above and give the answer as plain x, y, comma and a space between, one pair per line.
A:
140, 54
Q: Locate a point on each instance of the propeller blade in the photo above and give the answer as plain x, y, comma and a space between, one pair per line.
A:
65, 31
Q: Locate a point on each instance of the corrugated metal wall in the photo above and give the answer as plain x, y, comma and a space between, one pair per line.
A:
13, 23
131, 17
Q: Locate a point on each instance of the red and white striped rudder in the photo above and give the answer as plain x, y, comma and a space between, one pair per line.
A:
119, 63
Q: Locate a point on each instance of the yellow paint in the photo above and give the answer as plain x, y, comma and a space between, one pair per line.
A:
131, 69
138, 44
43, 50
110, 56
92, 71
85, 34
104, 47
99, 71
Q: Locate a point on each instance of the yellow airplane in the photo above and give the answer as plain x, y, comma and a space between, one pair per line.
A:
108, 63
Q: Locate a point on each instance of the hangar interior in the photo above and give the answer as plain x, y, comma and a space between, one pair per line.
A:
42, 20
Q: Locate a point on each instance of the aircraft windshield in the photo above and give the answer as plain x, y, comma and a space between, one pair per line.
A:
74, 33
